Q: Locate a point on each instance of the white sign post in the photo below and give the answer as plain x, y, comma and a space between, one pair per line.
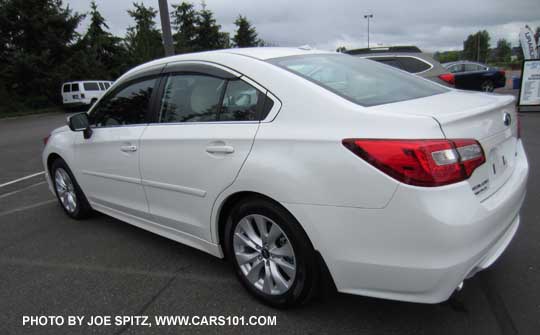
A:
529, 94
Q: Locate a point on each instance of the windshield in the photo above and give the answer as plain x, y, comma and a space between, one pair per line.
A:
362, 81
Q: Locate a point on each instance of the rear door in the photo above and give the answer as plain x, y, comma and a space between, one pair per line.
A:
208, 118
75, 95
66, 93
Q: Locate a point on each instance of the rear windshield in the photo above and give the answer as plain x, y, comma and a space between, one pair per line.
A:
74, 87
67, 88
361, 81
91, 87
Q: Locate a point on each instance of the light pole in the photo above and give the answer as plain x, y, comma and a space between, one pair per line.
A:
166, 27
369, 16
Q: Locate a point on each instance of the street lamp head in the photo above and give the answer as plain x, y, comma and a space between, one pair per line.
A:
369, 16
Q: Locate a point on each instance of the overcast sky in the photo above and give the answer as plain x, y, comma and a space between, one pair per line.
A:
326, 24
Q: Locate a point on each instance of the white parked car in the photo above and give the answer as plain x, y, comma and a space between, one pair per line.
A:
79, 93
292, 161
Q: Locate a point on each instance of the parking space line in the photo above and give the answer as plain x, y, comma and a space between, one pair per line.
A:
23, 178
83, 267
180, 273
11, 211
5, 195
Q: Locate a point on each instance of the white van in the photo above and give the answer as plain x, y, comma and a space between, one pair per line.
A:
78, 93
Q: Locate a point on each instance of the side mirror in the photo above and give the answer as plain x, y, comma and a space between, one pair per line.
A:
79, 122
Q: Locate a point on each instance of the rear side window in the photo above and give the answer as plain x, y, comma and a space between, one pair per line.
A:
473, 67
388, 61
241, 102
91, 86
413, 65
66, 88
365, 82
191, 98
126, 106
75, 87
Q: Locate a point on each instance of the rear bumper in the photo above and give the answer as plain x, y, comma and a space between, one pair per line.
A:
501, 82
423, 244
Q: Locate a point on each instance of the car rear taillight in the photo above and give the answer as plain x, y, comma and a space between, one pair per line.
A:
449, 78
421, 162
46, 139
503, 73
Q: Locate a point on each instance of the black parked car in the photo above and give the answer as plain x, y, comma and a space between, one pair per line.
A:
476, 76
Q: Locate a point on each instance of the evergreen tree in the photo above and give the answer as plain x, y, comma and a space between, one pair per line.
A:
35, 40
208, 36
104, 53
184, 21
143, 41
246, 35
224, 40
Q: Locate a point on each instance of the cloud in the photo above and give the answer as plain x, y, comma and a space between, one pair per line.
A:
431, 25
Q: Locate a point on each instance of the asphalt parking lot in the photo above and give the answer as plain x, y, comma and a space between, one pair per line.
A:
52, 265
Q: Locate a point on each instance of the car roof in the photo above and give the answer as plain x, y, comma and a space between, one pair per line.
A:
87, 81
463, 62
261, 53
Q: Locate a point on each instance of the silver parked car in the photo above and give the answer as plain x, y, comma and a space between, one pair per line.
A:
410, 59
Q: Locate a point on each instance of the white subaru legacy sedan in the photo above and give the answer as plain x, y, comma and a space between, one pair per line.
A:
302, 165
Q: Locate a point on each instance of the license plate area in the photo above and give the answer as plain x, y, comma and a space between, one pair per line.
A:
500, 151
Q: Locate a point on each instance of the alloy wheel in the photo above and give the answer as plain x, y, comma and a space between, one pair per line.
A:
264, 254
487, 86
65, 190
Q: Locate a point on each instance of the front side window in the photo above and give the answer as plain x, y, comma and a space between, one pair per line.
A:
126, 106
107, 85
359, 80
240, 102
91, 86
457, 68
102, 86
191, 98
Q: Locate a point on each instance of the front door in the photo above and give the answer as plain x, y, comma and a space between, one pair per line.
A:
107, 163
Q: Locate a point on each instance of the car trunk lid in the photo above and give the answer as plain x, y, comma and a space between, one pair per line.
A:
491, 119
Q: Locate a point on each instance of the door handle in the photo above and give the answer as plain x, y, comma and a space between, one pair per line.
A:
128, 148
221, 149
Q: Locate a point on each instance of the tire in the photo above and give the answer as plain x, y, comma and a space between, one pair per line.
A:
70, 196
285, 288
487, 86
